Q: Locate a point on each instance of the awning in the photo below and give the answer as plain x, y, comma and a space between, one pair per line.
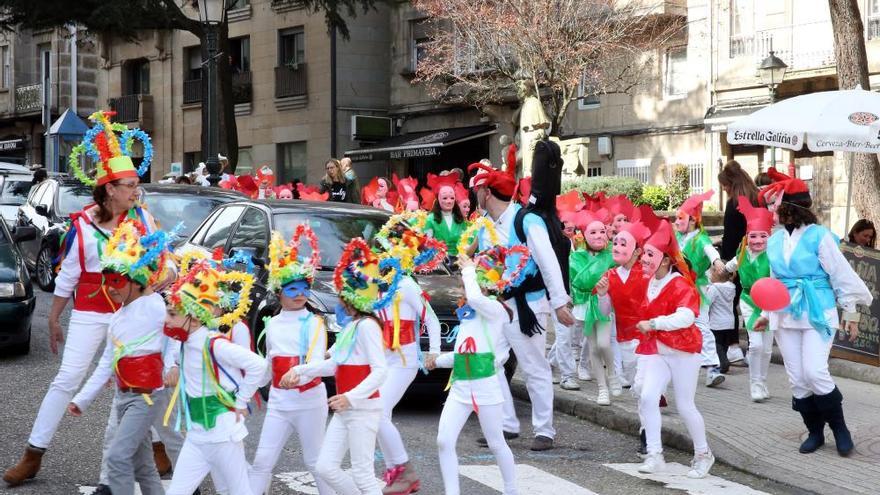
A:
419, 144
717, 118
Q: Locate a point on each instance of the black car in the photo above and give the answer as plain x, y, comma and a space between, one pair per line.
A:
14, 189
50, 203
17, 299
47, 209
246, 226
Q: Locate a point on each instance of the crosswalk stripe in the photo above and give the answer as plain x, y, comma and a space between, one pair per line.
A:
89, 490
675, 477
302, 482
529, 479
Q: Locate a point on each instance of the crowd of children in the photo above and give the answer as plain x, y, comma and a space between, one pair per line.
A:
653, 300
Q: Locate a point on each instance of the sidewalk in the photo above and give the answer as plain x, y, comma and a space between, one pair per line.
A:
761, 439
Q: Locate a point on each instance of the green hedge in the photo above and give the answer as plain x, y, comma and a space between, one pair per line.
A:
679, 186
657, 197
612, 186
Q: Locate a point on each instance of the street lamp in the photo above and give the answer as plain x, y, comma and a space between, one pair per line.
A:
211, 14
772, 70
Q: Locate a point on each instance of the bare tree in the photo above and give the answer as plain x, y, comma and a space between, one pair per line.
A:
479, 51
852, 70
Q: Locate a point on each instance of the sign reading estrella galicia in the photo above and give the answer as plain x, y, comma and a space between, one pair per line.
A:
766, 137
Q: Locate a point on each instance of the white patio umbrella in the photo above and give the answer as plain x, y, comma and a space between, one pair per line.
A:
846, 120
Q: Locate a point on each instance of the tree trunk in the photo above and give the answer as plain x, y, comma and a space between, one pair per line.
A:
852, 70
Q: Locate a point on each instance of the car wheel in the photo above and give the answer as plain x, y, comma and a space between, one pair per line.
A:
45, 271
24, 348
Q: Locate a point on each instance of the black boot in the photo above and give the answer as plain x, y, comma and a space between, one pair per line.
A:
643, 443
831, 407
813, 420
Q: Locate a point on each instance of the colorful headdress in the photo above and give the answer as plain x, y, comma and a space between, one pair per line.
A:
693, 206
285, 264
621, 204
265, 173
664, 240
496, 270
359, 280
757, 219
203, 286
478, 225
139, 256
791, 188
112, 153
402, 237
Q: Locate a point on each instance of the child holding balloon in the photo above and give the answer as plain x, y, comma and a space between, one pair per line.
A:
805, 259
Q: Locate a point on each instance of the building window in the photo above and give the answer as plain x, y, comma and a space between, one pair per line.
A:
586, 100
418, 41
873, 19
291, 47
292, 161
640, 169
594, 171
136, 77
6, 76
675, 78
742, 27
240, 54
237, 4
192, 57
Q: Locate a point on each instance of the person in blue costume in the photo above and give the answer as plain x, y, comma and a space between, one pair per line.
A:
806, 258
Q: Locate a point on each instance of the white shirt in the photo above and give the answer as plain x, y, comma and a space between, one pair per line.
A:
412, 302
284, 337
142, 317
241, 335
489, 322
369, 350
721, 309
848, 288
237, 361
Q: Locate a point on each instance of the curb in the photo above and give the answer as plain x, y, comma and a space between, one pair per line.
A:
674, 435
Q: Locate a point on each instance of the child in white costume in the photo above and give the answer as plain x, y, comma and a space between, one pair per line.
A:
357, 360
294, 336
217, 378
474, 387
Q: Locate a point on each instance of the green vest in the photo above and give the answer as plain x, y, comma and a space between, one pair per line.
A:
585, 269
750, 270
445, 233
473, 366
695, 252
205, 410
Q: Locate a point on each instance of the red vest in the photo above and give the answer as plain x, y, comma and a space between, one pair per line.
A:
140, 372
679, 292
626, 298
349, 376
407, 332
281, 365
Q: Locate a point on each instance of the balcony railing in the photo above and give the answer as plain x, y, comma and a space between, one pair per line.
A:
127, 108
290, 81
741, 46
28, 98
873, 28
242, 89
800, 46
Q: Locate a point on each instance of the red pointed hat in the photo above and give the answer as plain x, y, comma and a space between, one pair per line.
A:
620, 204
570, 201
664, 240
406, 187
461, 193
583, 218
757, 219
693, 206
524, 190
595, 201
499, 182
479, 178
790, 187
638, 230
435, 182
648, 217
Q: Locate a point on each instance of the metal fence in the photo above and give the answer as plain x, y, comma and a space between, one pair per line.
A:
636, 169
290, 81
696, 175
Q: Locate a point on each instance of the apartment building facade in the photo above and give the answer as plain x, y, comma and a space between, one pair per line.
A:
295, 87
38, 82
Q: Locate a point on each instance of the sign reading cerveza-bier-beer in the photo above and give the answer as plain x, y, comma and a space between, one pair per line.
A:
866, 348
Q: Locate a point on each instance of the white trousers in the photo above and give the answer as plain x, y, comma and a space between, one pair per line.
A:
532, 362
805, 354
390, 393
683, 370
352, 431
224, 460
625, 355
563, 351
615, 348
309, 425
708, 353
760, 352
452, 420
584, 353
172, 440
85, 334
601, 353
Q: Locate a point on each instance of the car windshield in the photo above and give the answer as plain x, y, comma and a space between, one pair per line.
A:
15, 191
172, 209
333, 230
73, 198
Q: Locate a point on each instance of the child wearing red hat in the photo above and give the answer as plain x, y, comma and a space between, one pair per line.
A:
669, 349
751, 263
806, 258
697, 249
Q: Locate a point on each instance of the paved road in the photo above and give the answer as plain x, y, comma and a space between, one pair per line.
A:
588, 460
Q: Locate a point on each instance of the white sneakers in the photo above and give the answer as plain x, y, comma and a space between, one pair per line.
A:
654, 463
735, 355
602, 398
714, 377
764, 390
584, 373
759, 392
614, 385
700, 465
569, 383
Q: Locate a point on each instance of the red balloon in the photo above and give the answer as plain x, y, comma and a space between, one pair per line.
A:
770, 294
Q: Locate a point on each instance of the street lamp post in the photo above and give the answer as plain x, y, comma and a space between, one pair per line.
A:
211, 14
772, 70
